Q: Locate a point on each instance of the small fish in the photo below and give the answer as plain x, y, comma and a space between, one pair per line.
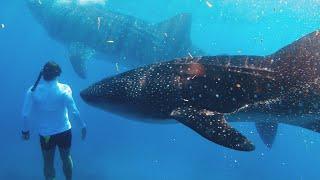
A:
190, 54
2, 26
110, 41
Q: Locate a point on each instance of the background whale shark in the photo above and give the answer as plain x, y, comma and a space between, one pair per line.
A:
199, 92
88, 30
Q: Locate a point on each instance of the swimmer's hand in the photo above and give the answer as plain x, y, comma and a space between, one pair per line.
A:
25, 135
83, 133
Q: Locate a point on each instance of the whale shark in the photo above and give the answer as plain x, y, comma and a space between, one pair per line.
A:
206, 93
91, 31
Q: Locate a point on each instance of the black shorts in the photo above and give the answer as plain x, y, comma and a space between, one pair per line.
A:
62, 140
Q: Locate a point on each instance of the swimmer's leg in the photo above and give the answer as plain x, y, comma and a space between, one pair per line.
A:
48, 158
67, 162
64, 143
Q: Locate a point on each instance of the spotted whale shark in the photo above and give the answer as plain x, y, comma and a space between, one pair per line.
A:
206, 93
91, 31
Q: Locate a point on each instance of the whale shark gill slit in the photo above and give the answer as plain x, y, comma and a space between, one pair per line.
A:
213, 127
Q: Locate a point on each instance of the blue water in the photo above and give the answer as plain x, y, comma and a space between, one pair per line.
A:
122, 149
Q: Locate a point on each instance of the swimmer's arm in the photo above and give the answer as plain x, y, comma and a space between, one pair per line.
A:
72, 109
27, 106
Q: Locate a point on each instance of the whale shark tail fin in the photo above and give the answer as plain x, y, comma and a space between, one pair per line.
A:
300, 60
79, 54
213, 127
267, 132
177, 29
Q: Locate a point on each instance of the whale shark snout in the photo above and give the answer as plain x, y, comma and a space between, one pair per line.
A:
87, 96
97, 94
104, 93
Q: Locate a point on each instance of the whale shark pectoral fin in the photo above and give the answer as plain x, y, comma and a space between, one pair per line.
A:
213, 127
79, 55
267, 132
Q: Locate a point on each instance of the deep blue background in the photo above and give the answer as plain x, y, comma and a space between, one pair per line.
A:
118, 148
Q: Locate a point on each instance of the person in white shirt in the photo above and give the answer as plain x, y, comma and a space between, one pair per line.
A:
52, 103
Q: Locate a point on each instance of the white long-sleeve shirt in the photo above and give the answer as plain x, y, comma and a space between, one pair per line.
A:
51, 103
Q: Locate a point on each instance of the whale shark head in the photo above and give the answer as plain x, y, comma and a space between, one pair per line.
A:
120, 94
105, 92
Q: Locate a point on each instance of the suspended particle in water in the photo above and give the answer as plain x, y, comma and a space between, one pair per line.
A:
209, 4
98, 22
117, 67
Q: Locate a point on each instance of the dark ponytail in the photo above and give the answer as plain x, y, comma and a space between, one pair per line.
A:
37, 82
50, 71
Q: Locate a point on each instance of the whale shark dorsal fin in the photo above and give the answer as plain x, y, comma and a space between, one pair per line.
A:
213, 127
79, 55
299, 60
267, 132
177, 28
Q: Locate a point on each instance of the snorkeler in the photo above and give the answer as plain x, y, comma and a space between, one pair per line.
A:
52, 101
